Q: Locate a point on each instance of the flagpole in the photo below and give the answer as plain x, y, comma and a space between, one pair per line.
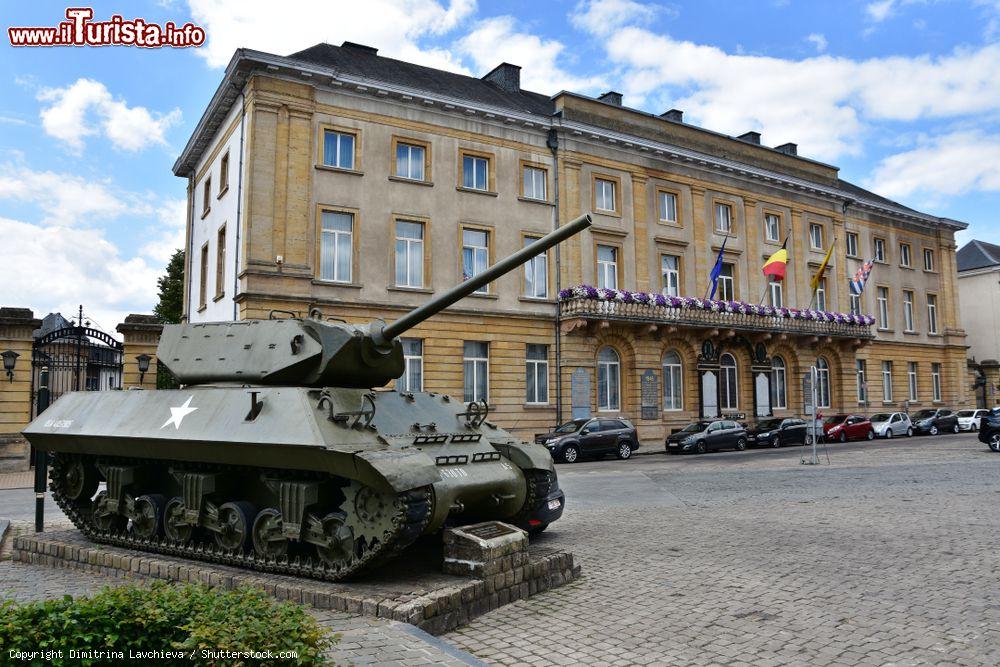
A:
763, 294
708, 289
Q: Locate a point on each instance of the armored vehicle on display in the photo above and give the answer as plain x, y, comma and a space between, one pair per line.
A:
277, 454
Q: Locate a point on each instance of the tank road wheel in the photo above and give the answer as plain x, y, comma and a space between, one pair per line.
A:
106, 520
174, 526
268, 542
79, 480
147, 523
340, 548
235, 524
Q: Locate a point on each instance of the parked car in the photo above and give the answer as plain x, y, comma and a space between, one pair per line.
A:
934, 421
591, 438
704, 436
846, 427
777, 432
969, 420
891, 424
989, 429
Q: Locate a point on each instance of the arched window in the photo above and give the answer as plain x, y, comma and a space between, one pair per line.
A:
728, 389
672, 397
608, 380
779, 386
822, 383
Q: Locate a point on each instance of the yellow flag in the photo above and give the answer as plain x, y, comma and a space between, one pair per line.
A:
814, 283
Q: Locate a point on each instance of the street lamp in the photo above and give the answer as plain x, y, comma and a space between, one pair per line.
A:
143, 360
9, 360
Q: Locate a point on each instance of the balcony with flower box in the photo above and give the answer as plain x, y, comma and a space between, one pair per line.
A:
586, 305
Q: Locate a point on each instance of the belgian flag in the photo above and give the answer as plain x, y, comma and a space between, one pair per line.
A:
775, 264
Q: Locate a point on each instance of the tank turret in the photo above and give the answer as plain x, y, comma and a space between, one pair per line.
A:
313, 353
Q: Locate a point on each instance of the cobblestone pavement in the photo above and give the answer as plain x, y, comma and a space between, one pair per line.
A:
885, 557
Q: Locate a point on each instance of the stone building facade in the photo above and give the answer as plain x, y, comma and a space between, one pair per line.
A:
341, 182
979, 299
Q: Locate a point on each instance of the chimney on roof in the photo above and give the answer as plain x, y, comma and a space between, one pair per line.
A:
750, 137
675, 115
505, 77
611, 97
360, 47
788, 149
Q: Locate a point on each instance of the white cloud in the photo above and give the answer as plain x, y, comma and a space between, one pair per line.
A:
817, 40
87, 108
171, 216
497, 40
66, 199
605, 16
55, 268
393, 26
880, 10
948, 165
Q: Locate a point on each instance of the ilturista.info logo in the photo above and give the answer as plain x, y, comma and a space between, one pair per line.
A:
81, 30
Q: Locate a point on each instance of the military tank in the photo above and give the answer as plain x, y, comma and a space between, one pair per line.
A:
278, 454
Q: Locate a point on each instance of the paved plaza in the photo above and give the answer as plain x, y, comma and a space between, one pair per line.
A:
886, 556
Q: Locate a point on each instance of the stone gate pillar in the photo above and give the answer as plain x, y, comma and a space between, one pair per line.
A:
141, 335
16, 328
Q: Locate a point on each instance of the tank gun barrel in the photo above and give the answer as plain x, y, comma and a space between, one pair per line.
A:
464, 289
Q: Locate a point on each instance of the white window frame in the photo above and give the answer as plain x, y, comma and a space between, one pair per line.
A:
535, 369
860, 372
856, 304
932, 320
607, 269
603, 188
536, 273
411, 164
904, 254
476, 160
729, 384
822, 383
478, 365
852, 244
779, 383
911, 380
414, 245
404, 383
776, 293
337, 162
671, 276
673, 377
479, 253
908, 310
772, 227
882, 299
878, 249
821, 294
936, 382
928, 259
727, 284
665, 214
887, 381
815, 236
538, 179
338, 238
609, 368
723, 218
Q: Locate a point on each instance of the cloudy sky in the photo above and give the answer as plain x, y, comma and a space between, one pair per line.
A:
903, 95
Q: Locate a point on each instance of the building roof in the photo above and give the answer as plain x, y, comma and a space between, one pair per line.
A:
978, 255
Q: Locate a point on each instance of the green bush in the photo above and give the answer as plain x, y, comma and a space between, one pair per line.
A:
197, 622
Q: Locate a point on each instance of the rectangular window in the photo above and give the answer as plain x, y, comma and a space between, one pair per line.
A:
852, 244
932, 324
904, 254
908, 310
772, 226
536, 368
879, 249
673, 397
411, 160
856, 304
338, 149
535, 182
936, 381
821, 295
670, 268
723, 218
859, 366
203, 287
604, 195
816, 236
607, 266
536, 274
206, 197
928, 259
476, 365
475, 172
220, 263
412, 378
775, 294
336, 246
409, 254
475, 255
882, 297
886, 381
911, 374
727, 282
668, 207
224, 173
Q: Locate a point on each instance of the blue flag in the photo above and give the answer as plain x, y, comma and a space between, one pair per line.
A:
716, 270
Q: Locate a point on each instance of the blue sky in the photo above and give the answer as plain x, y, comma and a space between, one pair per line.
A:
903, 95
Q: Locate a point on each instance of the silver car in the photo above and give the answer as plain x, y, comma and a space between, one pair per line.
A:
891, 424
969, 420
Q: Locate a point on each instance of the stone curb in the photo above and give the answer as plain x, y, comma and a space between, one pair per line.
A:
436, 606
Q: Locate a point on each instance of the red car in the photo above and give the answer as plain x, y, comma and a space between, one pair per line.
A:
848, 427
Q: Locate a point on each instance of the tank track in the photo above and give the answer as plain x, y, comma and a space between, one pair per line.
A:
412, 516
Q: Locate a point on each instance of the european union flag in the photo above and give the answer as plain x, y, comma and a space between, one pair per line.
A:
717, 270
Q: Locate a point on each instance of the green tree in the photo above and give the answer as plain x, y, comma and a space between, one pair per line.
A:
171, 304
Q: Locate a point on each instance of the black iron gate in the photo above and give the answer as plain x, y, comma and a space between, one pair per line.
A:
79, 359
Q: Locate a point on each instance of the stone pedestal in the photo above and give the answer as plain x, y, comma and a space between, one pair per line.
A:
484, 549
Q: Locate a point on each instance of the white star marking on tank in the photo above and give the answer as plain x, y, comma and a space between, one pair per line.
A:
177, 415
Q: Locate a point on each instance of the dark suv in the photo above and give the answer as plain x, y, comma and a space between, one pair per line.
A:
934, 421
591, 437
989, 429
777, 432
